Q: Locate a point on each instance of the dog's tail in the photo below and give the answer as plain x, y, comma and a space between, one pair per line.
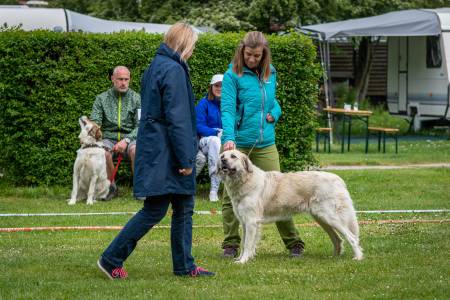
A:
353, 226
351, 220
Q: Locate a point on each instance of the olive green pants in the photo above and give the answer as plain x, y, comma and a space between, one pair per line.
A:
268, 160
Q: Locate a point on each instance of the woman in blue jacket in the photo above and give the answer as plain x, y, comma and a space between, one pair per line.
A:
209, 129
165, 157
249, 114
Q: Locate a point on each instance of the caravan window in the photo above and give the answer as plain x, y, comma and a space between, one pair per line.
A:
434, 58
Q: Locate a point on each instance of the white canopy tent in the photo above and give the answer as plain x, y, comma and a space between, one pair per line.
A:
405, 23
64, 20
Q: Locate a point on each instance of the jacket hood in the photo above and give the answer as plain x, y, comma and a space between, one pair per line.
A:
169, 52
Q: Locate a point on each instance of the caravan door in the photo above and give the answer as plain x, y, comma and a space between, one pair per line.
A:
402, 74
397, 73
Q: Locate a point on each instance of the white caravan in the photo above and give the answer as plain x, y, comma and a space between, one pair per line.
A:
418, 81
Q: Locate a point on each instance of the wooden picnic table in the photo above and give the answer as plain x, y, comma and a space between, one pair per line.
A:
347, 115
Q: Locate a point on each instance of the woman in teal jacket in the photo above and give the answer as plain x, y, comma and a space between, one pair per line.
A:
249, 113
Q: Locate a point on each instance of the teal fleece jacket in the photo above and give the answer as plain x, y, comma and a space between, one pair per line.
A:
246, 100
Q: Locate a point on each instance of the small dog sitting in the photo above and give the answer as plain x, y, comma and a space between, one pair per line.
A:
262, 197
90, 180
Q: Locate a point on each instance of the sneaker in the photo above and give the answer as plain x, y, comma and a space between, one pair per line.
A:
230, 251
113, 192
199, 271
112, 273
297, 250
213, 197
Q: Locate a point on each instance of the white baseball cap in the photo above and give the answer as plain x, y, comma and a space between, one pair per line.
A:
216, 78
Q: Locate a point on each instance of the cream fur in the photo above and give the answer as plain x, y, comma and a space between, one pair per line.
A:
90, 180
261, 197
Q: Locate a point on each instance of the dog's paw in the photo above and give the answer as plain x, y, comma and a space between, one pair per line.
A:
71, 201
358, 257
242, 260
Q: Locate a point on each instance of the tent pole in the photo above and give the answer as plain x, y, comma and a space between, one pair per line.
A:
324, 57
328, 65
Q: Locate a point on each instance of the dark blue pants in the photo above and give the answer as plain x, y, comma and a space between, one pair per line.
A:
154, 210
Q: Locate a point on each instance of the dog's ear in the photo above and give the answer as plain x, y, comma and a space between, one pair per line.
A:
247, 164
98, 133
219, 170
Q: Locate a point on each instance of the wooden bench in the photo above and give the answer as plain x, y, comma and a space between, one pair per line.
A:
382, 131
325, 132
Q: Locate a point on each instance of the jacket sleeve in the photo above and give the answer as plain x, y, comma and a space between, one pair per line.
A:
276, 110
133, 134
97, 111
177, 115
228, 107
201, 111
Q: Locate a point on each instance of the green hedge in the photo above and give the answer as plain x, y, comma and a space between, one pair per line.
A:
48, 80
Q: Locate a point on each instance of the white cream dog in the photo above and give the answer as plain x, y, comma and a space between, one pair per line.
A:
90, 180
261, 197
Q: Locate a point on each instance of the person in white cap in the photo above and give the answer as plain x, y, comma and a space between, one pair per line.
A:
209, 129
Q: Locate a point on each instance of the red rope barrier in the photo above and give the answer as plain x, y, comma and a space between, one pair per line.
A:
60, 228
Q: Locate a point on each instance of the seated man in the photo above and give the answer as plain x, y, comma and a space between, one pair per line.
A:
209, 129
116, 111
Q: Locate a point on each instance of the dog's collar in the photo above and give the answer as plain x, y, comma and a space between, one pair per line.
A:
92, 146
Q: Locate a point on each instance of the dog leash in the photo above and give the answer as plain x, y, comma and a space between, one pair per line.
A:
251, 149
119, 160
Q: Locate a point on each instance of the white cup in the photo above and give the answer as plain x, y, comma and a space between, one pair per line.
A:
347, 106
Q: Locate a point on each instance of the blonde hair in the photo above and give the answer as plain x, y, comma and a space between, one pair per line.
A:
181, 38
253, 39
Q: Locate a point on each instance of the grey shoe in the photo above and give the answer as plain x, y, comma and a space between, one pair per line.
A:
113, 192
297, 250
230, 251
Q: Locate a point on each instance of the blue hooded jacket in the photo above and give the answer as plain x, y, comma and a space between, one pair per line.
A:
246, 100
167, 138
208, 117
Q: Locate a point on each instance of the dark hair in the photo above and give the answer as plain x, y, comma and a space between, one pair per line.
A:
210, 92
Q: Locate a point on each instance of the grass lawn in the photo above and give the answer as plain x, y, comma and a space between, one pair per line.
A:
402, 260
409, 152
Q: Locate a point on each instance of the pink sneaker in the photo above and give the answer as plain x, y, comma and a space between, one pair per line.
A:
112, 273
199, 271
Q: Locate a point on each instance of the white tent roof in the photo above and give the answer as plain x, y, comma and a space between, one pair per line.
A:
58, 19
80, 22
414, 22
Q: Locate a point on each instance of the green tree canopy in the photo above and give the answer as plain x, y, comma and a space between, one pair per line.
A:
239, 15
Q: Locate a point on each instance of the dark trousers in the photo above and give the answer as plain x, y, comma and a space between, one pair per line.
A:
154, 210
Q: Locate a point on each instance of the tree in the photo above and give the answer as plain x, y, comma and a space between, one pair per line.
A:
273, 15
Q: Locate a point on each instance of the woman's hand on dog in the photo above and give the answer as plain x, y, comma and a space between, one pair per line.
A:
229, 146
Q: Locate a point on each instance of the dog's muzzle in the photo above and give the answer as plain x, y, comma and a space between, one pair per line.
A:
224, 167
